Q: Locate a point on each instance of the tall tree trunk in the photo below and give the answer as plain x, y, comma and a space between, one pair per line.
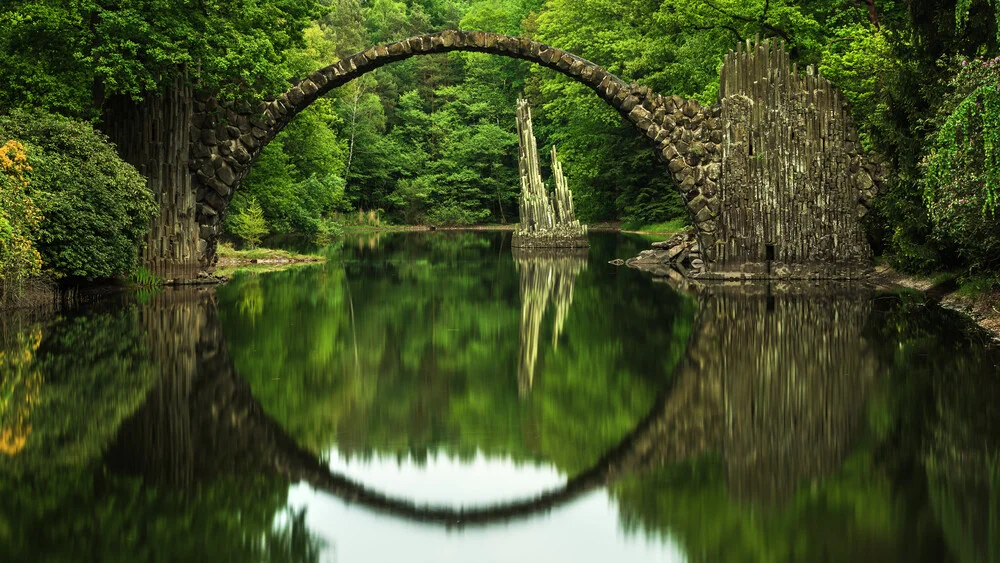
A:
354, 121
154, 135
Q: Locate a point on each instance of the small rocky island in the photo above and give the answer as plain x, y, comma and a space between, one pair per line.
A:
545, 222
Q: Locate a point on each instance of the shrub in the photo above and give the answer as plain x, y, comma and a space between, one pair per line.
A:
456, 215
19, 216
329, 231
97, 208
962, 167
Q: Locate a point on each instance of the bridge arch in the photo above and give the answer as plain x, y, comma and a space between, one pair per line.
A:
227, 143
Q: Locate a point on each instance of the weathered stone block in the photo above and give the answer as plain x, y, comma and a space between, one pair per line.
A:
308, 87
714, 171
630, 104
524, 47
250, 141
208, 137
295, 95
241, 154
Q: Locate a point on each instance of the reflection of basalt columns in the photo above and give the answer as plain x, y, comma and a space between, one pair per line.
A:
157, 441
775, 379
795, 368
198, 422
544, 223
546, 276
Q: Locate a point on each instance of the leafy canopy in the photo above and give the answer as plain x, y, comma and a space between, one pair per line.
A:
68, 56
97, 208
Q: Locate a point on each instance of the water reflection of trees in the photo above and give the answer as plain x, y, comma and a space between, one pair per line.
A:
168, 488
436, 324
547, 277
794, 445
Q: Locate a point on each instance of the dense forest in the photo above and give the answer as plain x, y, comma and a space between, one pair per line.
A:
431, 140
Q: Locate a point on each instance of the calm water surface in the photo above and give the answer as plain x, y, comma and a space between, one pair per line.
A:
436, 397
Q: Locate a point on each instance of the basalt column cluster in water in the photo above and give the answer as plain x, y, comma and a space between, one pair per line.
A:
545, 222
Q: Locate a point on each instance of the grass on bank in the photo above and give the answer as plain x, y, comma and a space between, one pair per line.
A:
227, 253
260, 260
977, 286
675, 225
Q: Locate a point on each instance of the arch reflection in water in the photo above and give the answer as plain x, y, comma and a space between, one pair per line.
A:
547, 276
699, 470
774, 422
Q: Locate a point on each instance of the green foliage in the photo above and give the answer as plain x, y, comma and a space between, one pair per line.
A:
70, 56
73, 381
143, 278
328, 232
298, 178
19, 217
672, 226
231, 519
248, 223
962, 167
97, 208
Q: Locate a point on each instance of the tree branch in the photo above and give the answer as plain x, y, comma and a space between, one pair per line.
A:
759, 21
872, 13
729, 28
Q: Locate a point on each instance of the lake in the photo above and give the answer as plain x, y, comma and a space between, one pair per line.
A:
436, 396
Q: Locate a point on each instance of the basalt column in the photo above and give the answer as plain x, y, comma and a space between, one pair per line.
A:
795, 181
154, 136
543, 225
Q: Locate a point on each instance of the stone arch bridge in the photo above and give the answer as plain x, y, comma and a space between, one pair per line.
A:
776, 158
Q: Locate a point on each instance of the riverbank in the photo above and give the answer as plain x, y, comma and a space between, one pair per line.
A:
259, 259
671, 227
355, 229
981, 304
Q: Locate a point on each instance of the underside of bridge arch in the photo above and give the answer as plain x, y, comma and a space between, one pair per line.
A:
227, 143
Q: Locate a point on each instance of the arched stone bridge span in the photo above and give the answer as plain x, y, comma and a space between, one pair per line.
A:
226, 143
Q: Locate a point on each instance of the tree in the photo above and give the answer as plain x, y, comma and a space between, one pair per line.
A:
131, 63
249, 223
73, 56
962, 167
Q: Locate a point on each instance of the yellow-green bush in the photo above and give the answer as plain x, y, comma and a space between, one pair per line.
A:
19, 215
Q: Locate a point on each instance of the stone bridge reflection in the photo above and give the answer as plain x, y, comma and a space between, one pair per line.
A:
774, 381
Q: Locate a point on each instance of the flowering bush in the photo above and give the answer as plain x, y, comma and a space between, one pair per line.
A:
97, 207
18, 218
962, 166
